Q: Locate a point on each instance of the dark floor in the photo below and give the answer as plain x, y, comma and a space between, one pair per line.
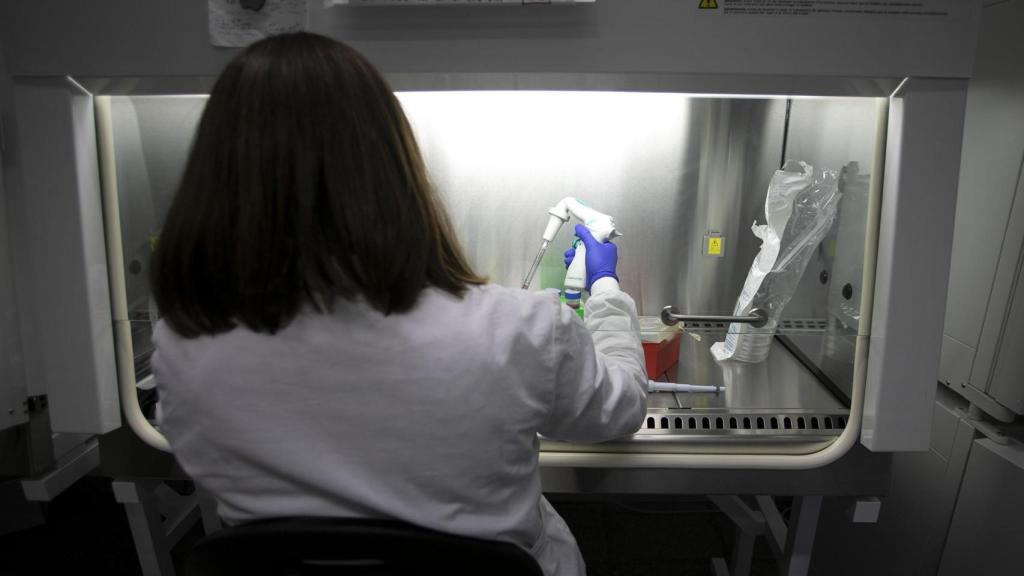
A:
86, 532
654, 537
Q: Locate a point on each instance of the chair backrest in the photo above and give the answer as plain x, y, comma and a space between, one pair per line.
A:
351, 547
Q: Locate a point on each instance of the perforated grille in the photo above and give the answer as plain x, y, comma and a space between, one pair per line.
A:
802, 325
753, 423
786, 326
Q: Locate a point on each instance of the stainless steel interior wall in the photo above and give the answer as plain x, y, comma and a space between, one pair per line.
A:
838, 135
669, 167
152, 136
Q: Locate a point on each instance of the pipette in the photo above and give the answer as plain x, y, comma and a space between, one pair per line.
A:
653, 386
601, 227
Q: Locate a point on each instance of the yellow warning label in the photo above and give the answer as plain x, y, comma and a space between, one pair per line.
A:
715, 246
708, 4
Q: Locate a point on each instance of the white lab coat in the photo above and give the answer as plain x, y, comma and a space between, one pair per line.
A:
430, 416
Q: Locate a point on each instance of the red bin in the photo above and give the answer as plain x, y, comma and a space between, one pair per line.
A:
659, 357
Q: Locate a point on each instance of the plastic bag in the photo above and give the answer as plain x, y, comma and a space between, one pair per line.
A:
799, 210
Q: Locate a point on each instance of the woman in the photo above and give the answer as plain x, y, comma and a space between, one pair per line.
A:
326, 350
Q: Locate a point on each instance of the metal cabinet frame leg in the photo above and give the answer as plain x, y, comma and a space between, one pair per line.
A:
803, 525
749, 525
208, 511
158, 517
792, 544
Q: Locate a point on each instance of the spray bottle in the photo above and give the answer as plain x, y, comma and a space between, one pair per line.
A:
601, 227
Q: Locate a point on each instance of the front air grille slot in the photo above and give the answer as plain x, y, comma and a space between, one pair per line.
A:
664, 422
802, 325
785, 326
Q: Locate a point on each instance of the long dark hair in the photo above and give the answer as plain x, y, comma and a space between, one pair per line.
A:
304, 184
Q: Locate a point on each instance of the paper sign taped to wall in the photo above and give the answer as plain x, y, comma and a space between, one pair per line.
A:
238, 23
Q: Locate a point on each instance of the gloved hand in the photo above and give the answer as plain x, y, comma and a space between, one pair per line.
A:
602, 257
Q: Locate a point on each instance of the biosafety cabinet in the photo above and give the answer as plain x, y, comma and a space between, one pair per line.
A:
671, 117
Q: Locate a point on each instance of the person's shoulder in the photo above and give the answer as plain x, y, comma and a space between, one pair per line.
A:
506, 304
164, 335
512, 296
172, 346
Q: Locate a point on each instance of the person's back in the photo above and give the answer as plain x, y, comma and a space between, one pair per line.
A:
324, 374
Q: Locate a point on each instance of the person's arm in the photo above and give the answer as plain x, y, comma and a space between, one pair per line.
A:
600, 383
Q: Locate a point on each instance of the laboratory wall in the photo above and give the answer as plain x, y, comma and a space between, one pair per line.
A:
985, 536
916, 512
12, 377
983, 330
954, 509
643, 36
957, 508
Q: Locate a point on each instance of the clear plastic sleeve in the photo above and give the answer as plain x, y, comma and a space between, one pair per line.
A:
799, 210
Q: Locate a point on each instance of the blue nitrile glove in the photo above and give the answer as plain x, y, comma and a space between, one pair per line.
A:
601, 256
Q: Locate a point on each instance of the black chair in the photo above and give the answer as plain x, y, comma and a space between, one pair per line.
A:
351, 547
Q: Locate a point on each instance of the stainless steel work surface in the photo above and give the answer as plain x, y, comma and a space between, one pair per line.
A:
775, 406
781, 382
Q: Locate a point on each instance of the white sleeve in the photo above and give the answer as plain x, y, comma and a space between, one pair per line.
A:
600, 384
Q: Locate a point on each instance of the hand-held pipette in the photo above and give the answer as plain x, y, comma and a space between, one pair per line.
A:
600, 225
653, 386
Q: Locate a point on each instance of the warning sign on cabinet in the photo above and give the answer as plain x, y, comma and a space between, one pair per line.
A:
871, 8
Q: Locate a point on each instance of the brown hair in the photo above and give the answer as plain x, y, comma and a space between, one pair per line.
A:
304, 184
